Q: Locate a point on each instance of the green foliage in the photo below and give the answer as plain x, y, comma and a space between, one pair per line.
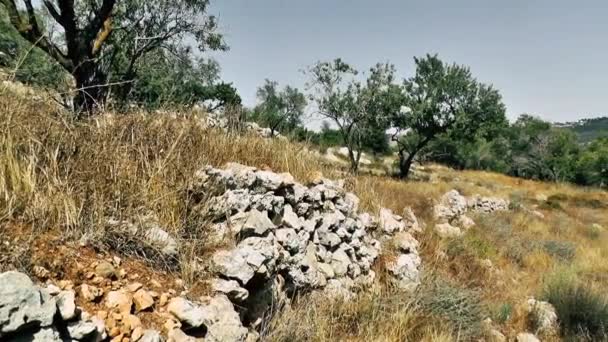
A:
29, 64
281, 111
503, 313
592, 167
441, 99
561, 250
358, 110
581, 310
588, 130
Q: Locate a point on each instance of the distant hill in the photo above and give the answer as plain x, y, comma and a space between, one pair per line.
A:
587, 129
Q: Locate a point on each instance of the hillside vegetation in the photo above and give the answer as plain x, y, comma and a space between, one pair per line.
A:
588, 130
62, 179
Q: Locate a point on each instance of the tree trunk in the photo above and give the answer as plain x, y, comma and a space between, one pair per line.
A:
91, 89
354, 161
405, 164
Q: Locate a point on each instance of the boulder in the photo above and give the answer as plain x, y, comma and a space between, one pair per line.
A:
230, 288
543, 316
189, 313
257, 223
22, 304
446, 230
66, 305
142, 300
405, 271
451, 205
389, 222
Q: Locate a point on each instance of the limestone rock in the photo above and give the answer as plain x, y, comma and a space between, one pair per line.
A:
544, 316
451, 205
79, 330
389, 222
446, 230
405, 270
66, 305
465, 222
120, 300
150, 336
526, 337
90, 293
230, 288
142, 300
257, 223
105, 270
187, 312
22, 304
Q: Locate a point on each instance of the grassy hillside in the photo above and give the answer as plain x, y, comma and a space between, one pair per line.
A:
588, 129
61, 179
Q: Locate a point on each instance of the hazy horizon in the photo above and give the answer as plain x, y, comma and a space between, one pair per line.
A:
547, 58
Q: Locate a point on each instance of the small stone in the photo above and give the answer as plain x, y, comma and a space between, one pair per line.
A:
41, 272
120, 300
176, 335
137, 334
65, 284
90, 293
66, 305
164, 299
526, 337
80, 330
53, 290
142, 300
105, 270
116, 261
150, 336
133, 287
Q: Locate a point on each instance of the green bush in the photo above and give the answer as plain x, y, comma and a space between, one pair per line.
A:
503, 313
581, 311
562, 250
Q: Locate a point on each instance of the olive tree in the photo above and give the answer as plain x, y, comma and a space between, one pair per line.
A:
102, 41
440, 97
356, 108
279, 110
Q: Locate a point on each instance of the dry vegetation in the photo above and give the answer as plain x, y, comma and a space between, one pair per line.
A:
69, 177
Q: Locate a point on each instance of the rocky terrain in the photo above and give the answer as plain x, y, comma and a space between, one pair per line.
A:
165, 228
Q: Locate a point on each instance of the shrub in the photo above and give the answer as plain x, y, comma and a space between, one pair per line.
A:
581, 310
503, 313
562, 250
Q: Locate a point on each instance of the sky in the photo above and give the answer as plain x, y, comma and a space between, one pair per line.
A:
547, 57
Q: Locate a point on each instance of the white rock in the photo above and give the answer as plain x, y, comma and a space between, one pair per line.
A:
290, 219
339, 262
406, 271
288, 238
66, 305
465, 222
151, 336
526, 337
159, 238
79, 330
230, 288
446, 230
257, 223
187, 312
544, 316
22, 303
389, 222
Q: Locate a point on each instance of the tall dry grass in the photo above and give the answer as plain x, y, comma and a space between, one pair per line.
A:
70, 177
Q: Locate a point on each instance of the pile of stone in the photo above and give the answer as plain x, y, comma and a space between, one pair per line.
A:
32, 313
217, 120
289, 238
450, 212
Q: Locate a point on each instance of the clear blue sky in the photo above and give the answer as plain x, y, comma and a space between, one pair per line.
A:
547, 57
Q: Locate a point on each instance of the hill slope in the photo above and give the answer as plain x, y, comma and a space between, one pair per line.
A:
587, 129
62, 182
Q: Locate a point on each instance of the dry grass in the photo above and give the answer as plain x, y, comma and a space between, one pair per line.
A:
70, 177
